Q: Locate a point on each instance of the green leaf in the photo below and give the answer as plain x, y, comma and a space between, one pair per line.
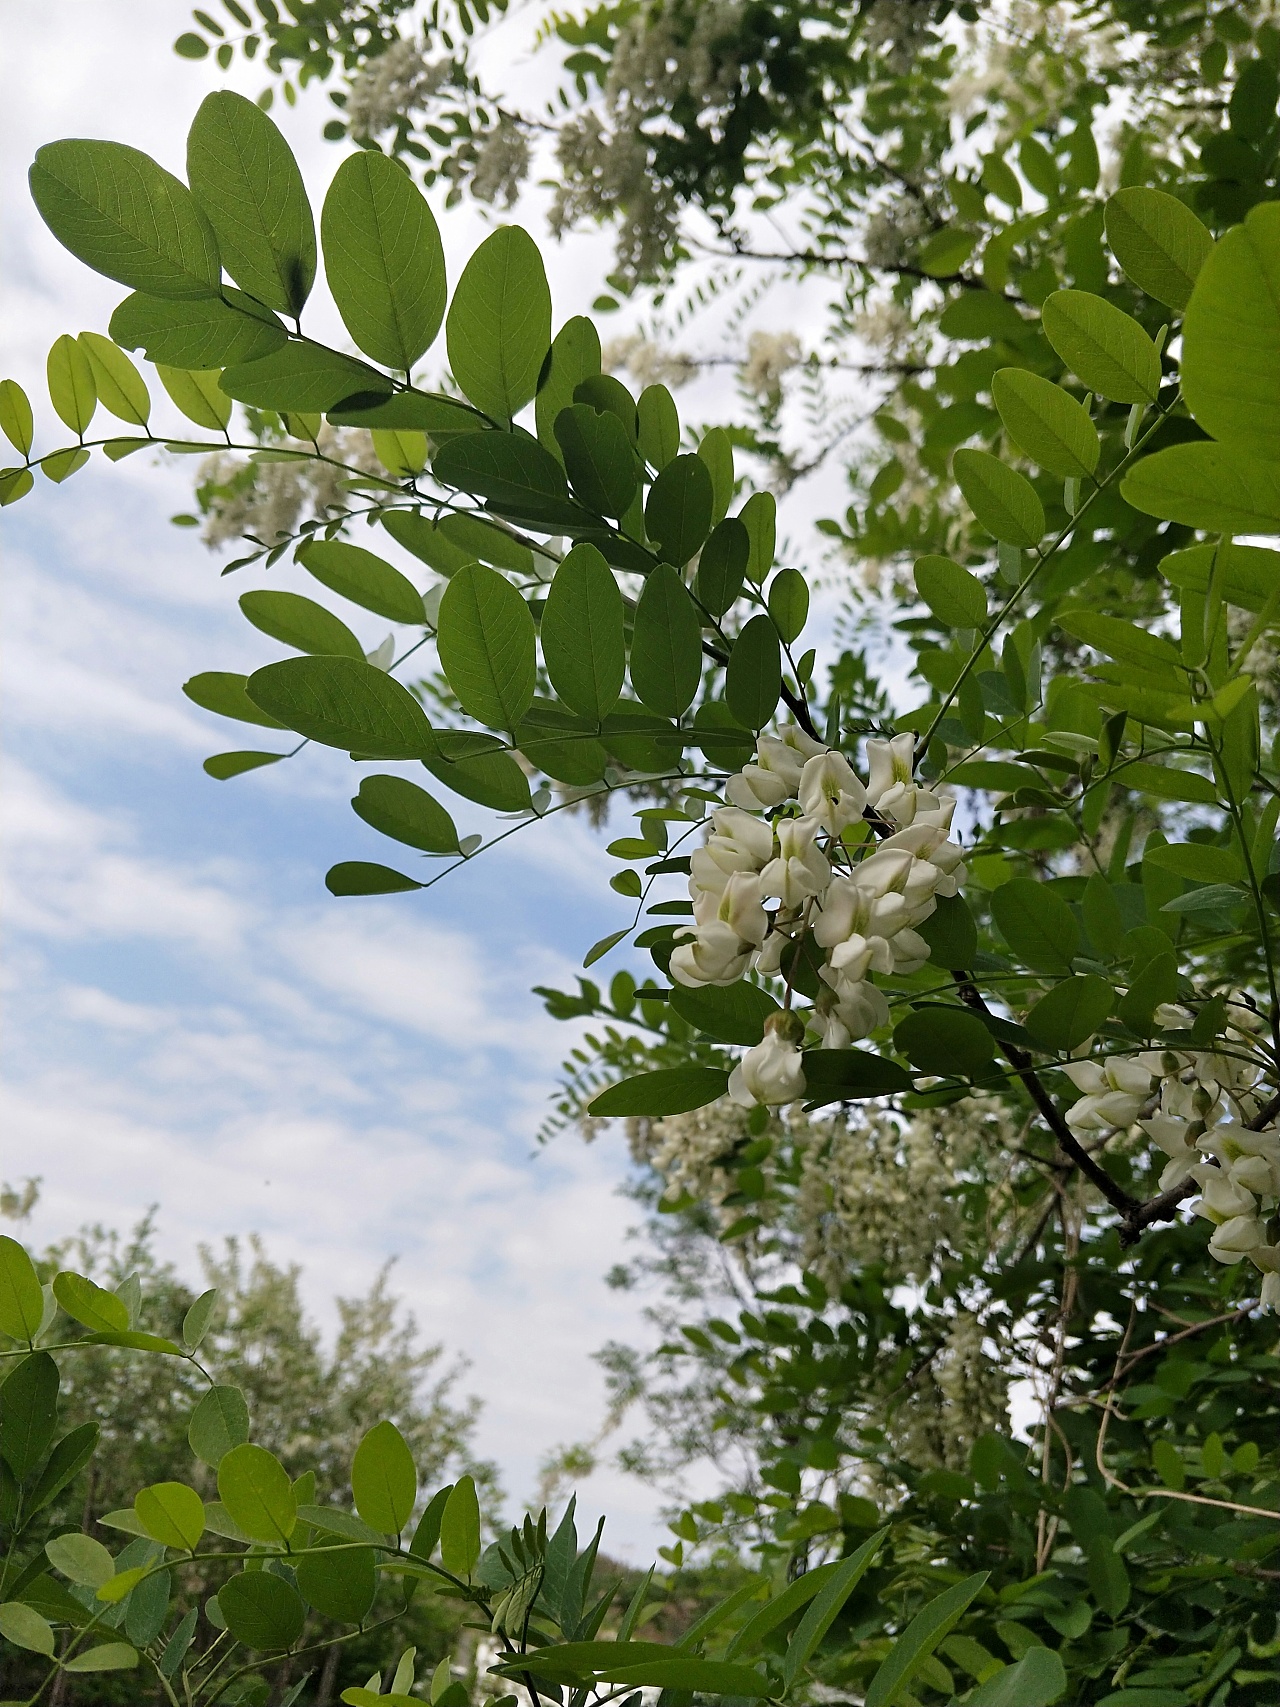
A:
1230, 365
670, 1090
1003, 500
1246, 575
255, 1488
384, 1481
1215, 487
302, 378
950, 932
1071, 1012
345, 704
583, 644
707, 1677
15, 483
1197, 862
1038, 1679
759, 515
223, 766
64, 1463
301, 623
21, 1295
261, 1610
135, 1341
172, 1514
472, 537
401, 809
1045, 422
951, 1041
361, 877
946, 252
666, 644
499, 326
16, 420
219, 1422
847, 1075
71, 387
97, 1309
825, 1607
955, 597
246, 181
597, 454
126, 217
197, 1321
575, 356
120, 387
487, 646
512, 471
364, 578
716, 451
28, 1412
731, 1013
1105, 348
659, 426
1038, 925
788, 603
107, 1656
383, 259
460, 1529
478, 768
412, 411
25, 1628
1122, 640
679, 510
1166, 782
85, 1561
339, 1582
223, 692
753, 676
197, 334
722, 565
63, 464
1158, 241
919, 1640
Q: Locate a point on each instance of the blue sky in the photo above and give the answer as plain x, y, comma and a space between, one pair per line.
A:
191, 1020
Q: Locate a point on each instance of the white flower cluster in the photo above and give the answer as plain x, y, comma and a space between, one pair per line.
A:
1196, 1106
266, 499
396, 83
770, 358
859, 907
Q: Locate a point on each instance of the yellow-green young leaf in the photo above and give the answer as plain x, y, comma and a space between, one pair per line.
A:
666, 644
716, 450
1045, 422
399, 808
223, 692
364, 578
346, 703
583, 644
384, 260
659, 426
121, 388
97, 1309
82, 1559
15, 416
126, 217
255, 1488
25, 1628
1158, 241
402, 453
171, 1513
198, 394
301, 623
575, 356
71, 386
1003, 500
245, 179
107, 1656
1231, 337
460, 1529
759, 515
499, 325
64, 463
21, 1295
384, 1481
1246, 575
1105, 348
487, 646
15, 483
954, 596
1215, 487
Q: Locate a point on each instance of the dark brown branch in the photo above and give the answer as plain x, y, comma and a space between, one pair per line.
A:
839, 258
1266, 1114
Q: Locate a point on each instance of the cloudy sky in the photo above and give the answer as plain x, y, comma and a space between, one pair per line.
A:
191, 1020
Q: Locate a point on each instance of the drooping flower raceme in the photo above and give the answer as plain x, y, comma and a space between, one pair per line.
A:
759, 886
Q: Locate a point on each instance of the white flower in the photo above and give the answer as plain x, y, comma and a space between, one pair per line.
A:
830, 792
800, 870
755, 786
1236, 1238
861, 1008
1173, 1137
910, 951
712, 954
1270, 1297
739, 842
1220, 1199
738, 905
849, 911
889, 764
772, 1072
1252, 1159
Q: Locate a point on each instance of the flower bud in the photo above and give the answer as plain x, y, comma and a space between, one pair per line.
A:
772, 1073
